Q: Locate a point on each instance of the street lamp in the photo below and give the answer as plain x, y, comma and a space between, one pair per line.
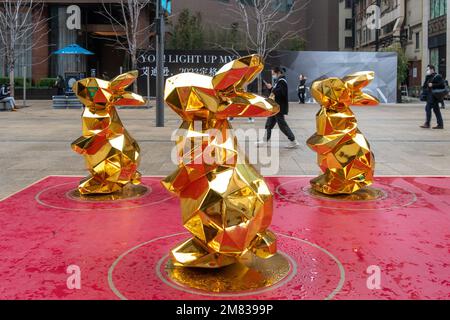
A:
162, 7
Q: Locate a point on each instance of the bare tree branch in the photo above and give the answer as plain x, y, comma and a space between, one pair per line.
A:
22, 27
261, 19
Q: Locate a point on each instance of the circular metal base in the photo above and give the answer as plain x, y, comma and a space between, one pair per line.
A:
130, 191
365, 194
260, 273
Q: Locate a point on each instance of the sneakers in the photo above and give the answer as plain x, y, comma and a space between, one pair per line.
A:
438, 127
425, 126
293, 145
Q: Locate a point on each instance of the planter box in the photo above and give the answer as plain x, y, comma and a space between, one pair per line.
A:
36, 93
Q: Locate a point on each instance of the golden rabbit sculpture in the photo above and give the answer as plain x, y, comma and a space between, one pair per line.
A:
112, 155
226, 204
344, 154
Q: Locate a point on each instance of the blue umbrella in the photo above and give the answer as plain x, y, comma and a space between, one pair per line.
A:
73, 49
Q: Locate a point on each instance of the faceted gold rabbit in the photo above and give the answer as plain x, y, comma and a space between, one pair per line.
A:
344, 155
112, 155
226, 204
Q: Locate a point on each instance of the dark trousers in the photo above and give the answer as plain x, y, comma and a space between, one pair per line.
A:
301, 96
433, 105
284, 127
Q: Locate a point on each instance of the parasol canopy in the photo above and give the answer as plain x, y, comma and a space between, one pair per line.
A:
73, 49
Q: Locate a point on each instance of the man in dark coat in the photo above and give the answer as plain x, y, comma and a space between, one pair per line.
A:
279, 92
433, 80
301, 89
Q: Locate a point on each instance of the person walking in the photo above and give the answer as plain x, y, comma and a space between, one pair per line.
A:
279, 93
433, 80
60, 85
5, 96
301, 89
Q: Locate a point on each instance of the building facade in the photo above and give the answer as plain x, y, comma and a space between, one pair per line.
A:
421, 27
317, 24
346, 25
94, 32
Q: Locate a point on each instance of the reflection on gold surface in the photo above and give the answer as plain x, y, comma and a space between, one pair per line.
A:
130, 191
343, 153
225, 203
112, 156
365, 194
260, 273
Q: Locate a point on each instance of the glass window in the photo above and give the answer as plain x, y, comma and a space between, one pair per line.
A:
443, 8
434, 57
348, 24
438, 8
348, 42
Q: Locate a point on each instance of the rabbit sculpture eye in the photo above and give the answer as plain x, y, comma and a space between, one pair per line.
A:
344, 155
226, 204
112, 155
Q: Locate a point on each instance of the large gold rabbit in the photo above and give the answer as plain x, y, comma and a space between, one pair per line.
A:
112, 155
344, 155
225, 203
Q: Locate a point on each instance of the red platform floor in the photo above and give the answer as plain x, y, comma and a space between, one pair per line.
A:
121, 247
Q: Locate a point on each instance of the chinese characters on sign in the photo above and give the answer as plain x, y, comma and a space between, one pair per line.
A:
175, 63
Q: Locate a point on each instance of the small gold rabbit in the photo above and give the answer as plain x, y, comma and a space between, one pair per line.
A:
344, 155
112, 155
226, 204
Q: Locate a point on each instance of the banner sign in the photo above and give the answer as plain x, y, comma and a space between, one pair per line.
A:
312, 64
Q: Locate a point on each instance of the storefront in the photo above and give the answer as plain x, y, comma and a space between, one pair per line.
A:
81, 22
437, 35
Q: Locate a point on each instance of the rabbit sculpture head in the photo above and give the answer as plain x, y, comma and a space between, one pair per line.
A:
339, 94
97, 94
199, 97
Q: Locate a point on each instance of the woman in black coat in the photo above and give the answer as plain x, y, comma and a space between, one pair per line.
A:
279, 92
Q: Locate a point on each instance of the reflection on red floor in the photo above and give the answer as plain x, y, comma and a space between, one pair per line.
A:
121, 247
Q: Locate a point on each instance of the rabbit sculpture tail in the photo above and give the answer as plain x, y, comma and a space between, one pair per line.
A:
344, 155
226, 204
112, 155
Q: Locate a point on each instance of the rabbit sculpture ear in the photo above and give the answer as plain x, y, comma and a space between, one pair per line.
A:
355, 83
230, 82
238, 73
118, 86
123, 81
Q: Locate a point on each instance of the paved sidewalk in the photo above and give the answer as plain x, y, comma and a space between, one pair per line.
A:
35, 142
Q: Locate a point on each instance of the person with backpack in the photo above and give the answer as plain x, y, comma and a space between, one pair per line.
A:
433, 91
279, 93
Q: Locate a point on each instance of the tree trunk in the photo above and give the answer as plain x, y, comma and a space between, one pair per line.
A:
11, 80
134, 67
